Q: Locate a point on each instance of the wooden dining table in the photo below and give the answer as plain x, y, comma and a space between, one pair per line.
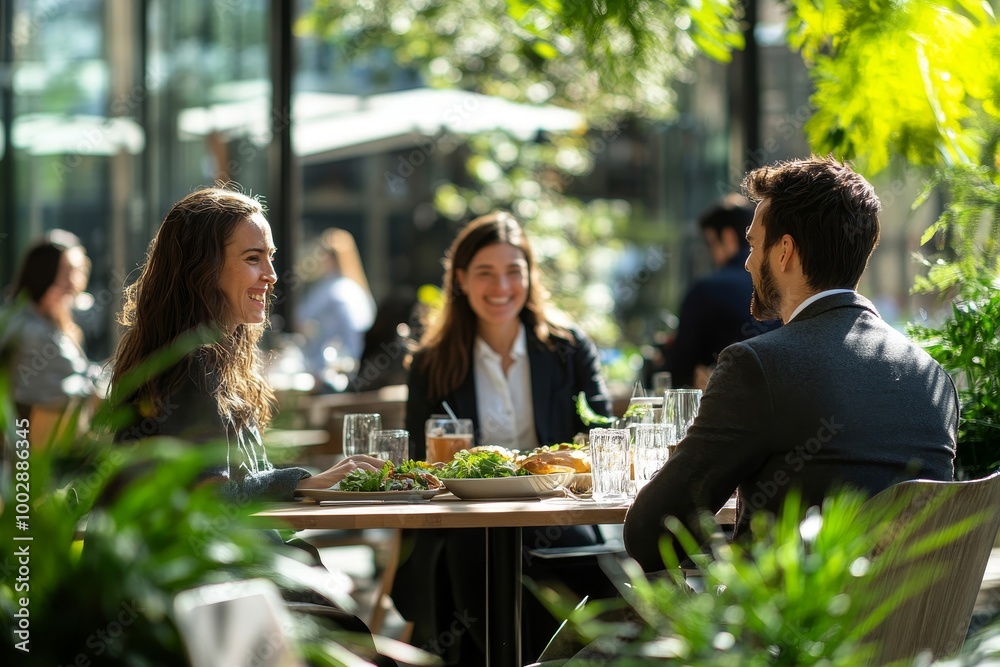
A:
503, 521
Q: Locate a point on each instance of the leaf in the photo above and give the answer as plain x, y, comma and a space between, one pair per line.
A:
587, 414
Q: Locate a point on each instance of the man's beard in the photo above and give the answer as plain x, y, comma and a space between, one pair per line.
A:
766, 299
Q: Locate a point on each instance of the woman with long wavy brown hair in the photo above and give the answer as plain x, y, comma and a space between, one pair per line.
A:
496, 355
210, 268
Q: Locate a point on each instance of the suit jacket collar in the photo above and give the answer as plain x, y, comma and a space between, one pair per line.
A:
833, 302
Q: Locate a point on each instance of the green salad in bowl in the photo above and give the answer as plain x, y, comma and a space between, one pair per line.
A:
480, 465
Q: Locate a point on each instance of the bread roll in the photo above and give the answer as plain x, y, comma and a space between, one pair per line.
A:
574, 459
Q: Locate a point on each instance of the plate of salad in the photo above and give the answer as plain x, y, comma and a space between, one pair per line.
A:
521, 486
490, 475
411, 482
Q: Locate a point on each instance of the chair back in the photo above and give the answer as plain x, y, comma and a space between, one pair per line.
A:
235, 623
937, 537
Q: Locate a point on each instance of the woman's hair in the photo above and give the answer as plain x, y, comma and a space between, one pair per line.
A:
40, 267
177, 292
340, 245
40, 264
451, 331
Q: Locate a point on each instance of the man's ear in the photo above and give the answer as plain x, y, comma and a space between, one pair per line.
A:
789, 253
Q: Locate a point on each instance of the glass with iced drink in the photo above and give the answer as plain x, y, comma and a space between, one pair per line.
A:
446, 437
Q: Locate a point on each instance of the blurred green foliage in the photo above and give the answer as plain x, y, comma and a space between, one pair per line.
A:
612, 61
605, 59
804, 590
116, 531
898, 78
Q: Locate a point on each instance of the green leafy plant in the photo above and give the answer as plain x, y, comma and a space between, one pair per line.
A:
967, 345
915, 84
800, 592
98, 539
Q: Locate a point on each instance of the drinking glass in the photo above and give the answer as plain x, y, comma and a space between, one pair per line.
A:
609, 464
661, 382
680, 406
446, 437
358, 429
652, 448
391, 445
641, 410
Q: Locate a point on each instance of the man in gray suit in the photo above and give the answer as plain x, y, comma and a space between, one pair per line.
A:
836, 397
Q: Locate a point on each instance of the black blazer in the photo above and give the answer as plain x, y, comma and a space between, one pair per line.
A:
836, 397
557, 376
715, 314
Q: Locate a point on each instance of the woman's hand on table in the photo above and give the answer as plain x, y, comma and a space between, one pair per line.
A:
328, 478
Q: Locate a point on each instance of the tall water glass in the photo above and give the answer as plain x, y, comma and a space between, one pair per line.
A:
358, 430
641, 410
652, 446
391, 445
680, 406
609, 464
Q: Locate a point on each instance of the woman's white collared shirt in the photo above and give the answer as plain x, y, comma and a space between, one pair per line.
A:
506, 416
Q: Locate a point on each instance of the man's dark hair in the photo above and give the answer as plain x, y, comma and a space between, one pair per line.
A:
829, 210
733, 212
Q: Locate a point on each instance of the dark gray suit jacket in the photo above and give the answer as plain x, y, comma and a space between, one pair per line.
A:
835, 397
557, 376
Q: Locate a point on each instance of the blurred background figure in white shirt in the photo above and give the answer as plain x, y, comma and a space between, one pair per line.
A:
335, 313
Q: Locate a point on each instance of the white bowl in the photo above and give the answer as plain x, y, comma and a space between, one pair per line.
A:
521, 486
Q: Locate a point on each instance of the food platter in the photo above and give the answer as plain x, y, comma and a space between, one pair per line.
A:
521, 486
413, 496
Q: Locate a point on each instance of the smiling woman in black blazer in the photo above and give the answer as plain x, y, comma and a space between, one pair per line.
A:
495, 312
497, 357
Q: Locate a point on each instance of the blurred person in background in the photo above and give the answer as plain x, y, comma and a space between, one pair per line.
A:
715, 312
335, 313
41, 344
497, 356
388, 342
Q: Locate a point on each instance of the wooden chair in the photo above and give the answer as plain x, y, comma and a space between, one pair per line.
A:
943, 579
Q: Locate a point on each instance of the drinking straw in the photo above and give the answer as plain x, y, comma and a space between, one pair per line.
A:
451, 413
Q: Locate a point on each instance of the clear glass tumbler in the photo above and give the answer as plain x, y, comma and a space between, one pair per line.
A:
609, 464
680, 407
391, 445
358, 430
652, 448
